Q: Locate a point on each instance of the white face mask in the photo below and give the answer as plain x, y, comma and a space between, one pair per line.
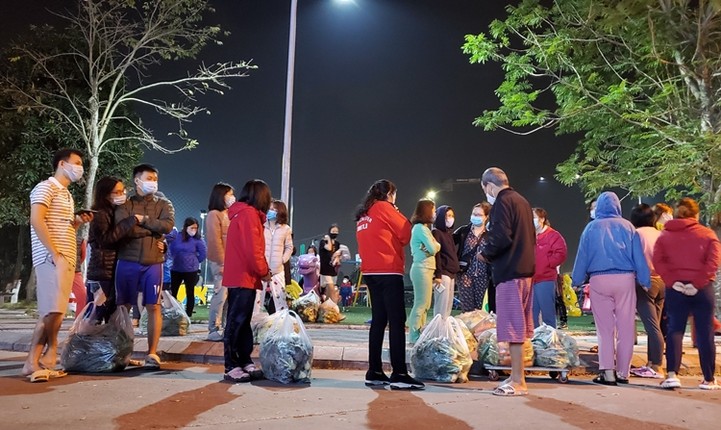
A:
119, 200
192, 231
593, 214
74, 173
229, 200
450, 222
536, 223
490, 198
148, 187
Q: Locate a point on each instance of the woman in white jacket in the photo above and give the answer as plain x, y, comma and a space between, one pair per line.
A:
278, 250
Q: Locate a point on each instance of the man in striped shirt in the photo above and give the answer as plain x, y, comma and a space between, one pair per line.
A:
53, 225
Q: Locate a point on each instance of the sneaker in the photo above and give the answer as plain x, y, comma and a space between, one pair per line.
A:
152, 361
253, 371
215, 336
374, 379
404, 381
563, 326
237, 375
645, 372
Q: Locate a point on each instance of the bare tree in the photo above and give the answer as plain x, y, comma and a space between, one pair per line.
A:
116, 44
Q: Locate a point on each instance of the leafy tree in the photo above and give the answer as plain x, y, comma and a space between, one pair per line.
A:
639, 81
114, 45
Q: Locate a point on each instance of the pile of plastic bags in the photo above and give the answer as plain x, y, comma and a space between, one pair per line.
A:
286, 352
175, 321
329, 312
441, 353
95, 347
478, 321
306, 306
554, 348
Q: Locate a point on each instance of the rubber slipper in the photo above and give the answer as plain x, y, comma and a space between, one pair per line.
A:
509, 391
152, 361
253, 371
601, 379
237, 375
42, 375
55, 374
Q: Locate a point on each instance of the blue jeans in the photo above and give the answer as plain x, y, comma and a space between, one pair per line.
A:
678, 308
544, 302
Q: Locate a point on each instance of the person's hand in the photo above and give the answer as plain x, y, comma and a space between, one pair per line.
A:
437, 281
220, 271
161, 246
326, 238
139, 218
267, 277
482, 258
82, 218
56, 256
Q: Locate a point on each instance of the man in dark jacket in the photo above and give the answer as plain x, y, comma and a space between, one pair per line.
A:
511, 252
141, 257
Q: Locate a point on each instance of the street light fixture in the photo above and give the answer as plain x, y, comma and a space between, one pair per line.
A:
430, 195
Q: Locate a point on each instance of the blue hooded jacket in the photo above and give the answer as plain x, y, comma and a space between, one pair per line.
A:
610, 245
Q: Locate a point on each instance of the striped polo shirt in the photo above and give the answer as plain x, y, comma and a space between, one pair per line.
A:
59, 219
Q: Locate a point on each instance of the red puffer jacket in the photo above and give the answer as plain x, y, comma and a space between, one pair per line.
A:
551, 252
245, 261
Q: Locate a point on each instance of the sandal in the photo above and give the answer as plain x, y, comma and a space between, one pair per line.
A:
253, 371
42, 375
152, 361
509, 390
237, 375
713, 385
55, 374
671, 383
601, 379
645, 372
594, 349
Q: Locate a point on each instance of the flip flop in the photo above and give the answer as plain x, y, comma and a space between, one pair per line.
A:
55, 374
509, 391
152, 361
42, 375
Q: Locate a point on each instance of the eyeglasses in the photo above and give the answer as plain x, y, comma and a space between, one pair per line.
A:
118, 193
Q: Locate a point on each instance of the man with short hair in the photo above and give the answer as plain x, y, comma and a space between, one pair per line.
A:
139, 271
53, 225
511, 252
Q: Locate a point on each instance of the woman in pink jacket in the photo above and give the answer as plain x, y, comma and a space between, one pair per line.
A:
551, 252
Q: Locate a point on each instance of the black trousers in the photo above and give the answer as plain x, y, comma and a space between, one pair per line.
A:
238, 339
387, 309
190, 279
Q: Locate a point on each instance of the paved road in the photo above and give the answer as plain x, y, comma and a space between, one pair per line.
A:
187, 395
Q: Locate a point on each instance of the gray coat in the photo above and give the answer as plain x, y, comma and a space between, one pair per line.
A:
141, 245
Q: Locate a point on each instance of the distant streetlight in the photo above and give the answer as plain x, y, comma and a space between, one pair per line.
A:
542, 179
430, 195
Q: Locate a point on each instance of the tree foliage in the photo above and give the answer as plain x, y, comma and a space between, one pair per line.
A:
639, 81
114, 46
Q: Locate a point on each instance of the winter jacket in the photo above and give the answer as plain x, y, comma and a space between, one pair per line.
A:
424, 246
142, 243
610, 245
245, 262
511, 238
686, 251
216, 231
104, 236
187, 254
447, 257
278, 245
551, 252
381, 234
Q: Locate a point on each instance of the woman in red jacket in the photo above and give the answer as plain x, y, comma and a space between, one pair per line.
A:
687, 256
382, 232
551, 252
245, 268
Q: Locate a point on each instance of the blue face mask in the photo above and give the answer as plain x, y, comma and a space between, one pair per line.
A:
272, 214
476, 220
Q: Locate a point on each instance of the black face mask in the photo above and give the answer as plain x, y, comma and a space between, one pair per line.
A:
333, 235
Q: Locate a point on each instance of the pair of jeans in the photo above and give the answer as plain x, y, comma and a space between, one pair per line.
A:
387, 309
649, 305
238, 336
678, 308
544, 303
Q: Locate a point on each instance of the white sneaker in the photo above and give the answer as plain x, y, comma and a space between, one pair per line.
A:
215, 336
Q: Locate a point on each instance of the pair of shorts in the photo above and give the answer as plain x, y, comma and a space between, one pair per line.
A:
133, 278
514, 310
54, 284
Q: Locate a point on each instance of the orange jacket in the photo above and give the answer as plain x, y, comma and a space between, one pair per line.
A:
245, 261
381, 234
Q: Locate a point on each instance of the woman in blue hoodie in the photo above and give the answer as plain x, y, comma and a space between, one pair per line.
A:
446, 262
610, 252
188, 250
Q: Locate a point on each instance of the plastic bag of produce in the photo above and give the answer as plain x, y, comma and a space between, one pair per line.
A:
441, 353
478, 321
495, 353
259, 323
95, 347
307, 307
286, 352
329, 312
471, 341
570, 299
548, 348
175, 321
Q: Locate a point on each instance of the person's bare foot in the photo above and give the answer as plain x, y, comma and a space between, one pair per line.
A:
28, 369
48, 361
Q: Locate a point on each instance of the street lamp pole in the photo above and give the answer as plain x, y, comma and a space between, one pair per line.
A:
285, 179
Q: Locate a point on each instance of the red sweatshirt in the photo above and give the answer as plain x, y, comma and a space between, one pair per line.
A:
687, 251
551, 252
381, 234
245, 261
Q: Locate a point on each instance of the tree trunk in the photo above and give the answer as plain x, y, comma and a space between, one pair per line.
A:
17, 270
31, 287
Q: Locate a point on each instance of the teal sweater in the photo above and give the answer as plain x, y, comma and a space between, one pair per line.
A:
423, 246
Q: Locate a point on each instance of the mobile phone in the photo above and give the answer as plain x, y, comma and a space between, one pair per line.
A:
85, 211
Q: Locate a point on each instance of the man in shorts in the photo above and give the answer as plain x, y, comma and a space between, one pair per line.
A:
53, 225
139, 273
511, 252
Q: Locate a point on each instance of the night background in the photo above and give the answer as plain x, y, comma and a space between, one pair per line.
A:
382, 90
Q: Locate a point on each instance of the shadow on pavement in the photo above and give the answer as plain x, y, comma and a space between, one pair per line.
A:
405, 410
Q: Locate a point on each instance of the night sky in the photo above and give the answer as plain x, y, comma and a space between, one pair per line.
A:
382, 90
